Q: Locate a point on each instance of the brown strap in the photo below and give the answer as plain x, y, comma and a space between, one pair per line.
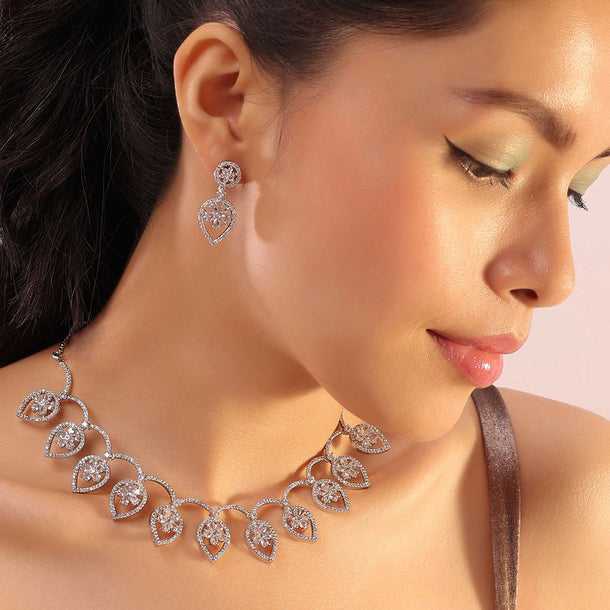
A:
504, 492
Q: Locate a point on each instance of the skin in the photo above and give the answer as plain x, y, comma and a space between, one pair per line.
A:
355, 233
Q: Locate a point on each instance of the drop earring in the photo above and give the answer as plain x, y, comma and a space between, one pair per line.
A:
217, 210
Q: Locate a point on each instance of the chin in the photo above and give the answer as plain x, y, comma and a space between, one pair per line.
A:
424, 415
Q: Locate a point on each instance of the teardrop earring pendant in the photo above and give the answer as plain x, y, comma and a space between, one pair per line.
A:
217, 211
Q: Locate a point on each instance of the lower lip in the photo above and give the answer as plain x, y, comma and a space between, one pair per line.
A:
478, 367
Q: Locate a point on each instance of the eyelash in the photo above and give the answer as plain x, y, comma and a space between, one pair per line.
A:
481, 171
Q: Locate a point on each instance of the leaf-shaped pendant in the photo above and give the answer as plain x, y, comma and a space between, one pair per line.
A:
168, 519
93, 468
217, 211
260, 535
68, 436
42, 405
368, 438
325, 491
347, 467
129, 492
298, 518
213, 531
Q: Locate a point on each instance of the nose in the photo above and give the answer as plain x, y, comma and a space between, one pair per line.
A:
533, 261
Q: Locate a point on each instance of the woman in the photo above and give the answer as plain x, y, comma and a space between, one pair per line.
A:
392, 211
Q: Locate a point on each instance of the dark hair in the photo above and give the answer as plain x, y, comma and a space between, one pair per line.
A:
90, 132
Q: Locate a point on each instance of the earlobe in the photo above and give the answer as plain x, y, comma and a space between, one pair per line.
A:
212, 70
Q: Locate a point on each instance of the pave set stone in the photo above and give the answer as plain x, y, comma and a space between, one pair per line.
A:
171, 522
368, 438
217, 210
297, 519
92, 469
213, 531
42, 405
128, 492
326, 492
259, 533
67, 436
166, 524
168, 519
346, 467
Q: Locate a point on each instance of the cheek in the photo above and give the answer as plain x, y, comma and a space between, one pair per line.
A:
359, 237
368, 235
356, 258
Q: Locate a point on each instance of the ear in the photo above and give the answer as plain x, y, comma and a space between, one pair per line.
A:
215, 77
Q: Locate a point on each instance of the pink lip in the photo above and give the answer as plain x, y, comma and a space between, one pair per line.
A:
478, 359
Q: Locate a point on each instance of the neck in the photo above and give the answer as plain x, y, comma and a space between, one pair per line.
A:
180, 374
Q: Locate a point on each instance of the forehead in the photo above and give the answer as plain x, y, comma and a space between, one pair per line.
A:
556, 51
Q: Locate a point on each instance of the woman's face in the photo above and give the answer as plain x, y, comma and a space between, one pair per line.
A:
373, 232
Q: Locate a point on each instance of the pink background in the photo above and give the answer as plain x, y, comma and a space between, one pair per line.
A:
566, 356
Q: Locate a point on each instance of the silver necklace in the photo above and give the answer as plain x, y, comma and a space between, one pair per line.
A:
129, 496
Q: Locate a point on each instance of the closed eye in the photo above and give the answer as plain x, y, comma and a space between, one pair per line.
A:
480, 171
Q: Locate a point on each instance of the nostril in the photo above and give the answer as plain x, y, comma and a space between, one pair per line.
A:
526, 294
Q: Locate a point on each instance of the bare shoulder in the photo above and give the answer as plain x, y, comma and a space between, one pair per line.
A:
565, 440
567, 432
19, 376
26, 481
564, 460
17, 380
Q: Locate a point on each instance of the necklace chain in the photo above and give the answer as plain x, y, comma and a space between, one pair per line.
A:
129, 496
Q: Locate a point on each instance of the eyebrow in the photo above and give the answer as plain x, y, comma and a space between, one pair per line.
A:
547, 122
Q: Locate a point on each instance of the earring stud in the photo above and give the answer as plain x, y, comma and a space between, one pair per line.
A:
217, 211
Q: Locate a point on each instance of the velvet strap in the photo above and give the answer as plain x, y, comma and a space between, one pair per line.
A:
504, 492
